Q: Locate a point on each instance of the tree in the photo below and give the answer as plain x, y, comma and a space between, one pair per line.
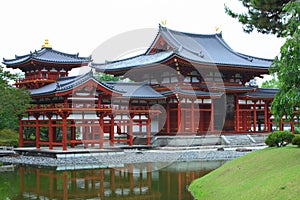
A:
13, 101
267, 16
281, 18
272, 83
287, 68
106, 77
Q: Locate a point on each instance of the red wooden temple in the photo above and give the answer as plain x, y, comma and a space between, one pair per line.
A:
184, 84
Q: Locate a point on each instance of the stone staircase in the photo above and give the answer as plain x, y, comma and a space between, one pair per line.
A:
238, 140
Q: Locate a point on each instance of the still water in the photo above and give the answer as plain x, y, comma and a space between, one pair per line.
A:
156, 181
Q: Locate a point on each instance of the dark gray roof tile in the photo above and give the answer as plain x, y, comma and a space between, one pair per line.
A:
47, 55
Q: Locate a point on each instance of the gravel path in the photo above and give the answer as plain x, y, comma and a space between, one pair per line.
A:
128, 156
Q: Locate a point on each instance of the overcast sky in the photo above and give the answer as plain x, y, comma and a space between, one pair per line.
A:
80, 26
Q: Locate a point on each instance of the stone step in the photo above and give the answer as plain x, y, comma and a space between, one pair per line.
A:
238, 139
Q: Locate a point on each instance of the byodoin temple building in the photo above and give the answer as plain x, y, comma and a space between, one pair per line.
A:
184, 85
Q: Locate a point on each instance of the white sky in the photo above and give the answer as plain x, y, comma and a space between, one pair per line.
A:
80, 26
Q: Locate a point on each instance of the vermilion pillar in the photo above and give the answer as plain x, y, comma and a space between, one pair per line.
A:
237, 114
179, 115
112, 129
73, 134
50, 129
100, 115
21, 139
131, 116
212, 117
266, 117
101, 133
254, 117
64, 115
50, 132
64, 133
193, 116
37, 130
168, 117
148, 130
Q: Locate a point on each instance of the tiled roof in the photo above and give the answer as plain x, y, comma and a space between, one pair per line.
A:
210, 48
136, 61
68, 83
199, 48
238, 88
261, 93
191, 92
126, 90
136, 90
47, 55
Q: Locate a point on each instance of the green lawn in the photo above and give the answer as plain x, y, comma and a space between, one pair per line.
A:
271, 173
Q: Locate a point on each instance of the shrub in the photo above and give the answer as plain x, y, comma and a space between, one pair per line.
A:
296, 141
279, 138
9, 137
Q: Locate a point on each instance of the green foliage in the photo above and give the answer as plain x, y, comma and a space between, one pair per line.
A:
9, 137
296, 141
13, 101
273, 83
106, 77
287, 68
267, 16
281, 18
279, 138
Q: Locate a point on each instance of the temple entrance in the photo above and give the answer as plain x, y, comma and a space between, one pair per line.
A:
225, 112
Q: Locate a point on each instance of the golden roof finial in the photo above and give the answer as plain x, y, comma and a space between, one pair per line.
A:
47, 45
217, 28
164, 22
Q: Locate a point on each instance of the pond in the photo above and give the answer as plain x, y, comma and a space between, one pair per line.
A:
129, 181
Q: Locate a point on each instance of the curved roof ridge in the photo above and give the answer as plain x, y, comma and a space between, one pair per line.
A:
242, 55
255, 57
194, 34
182, 46
66, 54
120, 60
126, 59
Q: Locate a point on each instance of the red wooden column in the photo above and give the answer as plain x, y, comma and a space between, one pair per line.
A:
64, 115
148, 129
168, 116
101, 115
37, 130
50, 130
112, 129
266, 127
73, 134
193, 115
292, 125
254, 117
178, 115
21, 132
269, 117
131, 116
212, 117
237, 114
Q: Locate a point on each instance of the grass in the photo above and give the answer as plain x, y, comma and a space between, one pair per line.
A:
271, 173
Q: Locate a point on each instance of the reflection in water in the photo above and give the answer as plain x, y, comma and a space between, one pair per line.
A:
131, 181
